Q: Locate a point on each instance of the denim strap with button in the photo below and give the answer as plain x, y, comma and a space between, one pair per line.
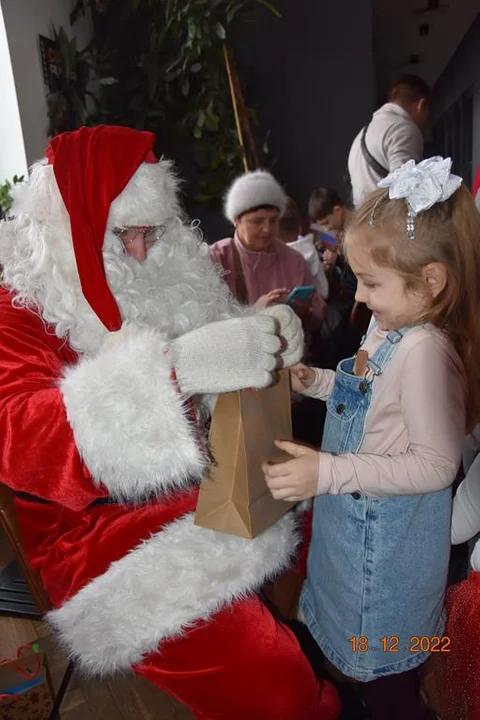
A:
381, 357
349, 403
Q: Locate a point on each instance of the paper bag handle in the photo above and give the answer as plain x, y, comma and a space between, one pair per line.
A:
23, 650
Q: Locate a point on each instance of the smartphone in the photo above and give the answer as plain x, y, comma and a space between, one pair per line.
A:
304, 292
325, 237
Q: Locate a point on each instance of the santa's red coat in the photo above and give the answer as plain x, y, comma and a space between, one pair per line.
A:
129, 577
72, 542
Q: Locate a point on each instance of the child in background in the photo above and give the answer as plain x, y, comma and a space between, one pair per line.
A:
304, 410
289, 232
327, 210
343, 327
396, 419
458, 672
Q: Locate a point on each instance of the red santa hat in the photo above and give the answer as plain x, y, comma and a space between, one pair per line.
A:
254, 190
92, 166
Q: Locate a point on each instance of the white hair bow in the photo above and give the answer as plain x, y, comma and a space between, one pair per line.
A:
423, 184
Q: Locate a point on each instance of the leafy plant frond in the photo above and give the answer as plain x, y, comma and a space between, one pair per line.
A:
6, 196
159, 65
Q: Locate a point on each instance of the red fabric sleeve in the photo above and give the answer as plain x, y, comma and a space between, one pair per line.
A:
37, 449
476, 189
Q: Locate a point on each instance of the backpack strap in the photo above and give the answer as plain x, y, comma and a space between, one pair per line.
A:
369, 159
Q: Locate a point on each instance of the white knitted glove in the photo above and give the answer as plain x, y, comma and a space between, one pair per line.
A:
289, 327
227, 355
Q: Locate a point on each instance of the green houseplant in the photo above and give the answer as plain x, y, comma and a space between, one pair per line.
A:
67, 104
160, 66
6, 196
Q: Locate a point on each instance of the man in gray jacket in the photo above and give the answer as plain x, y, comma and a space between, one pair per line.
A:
393, 136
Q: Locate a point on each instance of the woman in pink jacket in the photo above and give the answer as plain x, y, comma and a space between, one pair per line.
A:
259, 268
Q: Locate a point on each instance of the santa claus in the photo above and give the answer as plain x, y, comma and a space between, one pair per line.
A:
116, 334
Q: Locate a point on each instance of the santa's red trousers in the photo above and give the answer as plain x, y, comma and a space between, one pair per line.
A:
241, 665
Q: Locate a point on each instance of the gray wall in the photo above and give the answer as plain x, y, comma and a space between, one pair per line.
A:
312, 75
462, 72
24, 21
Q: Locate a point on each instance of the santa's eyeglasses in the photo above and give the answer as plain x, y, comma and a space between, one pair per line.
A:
150, 233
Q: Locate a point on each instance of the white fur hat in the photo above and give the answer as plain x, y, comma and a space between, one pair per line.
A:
252, 190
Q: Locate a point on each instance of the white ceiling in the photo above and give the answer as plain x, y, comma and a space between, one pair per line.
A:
397, 36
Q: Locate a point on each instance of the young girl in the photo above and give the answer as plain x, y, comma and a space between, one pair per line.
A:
396, 419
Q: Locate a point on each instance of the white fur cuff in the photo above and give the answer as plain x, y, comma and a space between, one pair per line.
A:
128, 418
178, 576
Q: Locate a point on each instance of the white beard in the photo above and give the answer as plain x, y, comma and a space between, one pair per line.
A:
175, 290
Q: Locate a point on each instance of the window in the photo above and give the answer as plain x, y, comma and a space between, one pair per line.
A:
453, 135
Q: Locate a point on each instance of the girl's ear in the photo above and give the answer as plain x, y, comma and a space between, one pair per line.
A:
435, 277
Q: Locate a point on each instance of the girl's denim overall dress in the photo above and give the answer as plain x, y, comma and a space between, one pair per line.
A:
377, 567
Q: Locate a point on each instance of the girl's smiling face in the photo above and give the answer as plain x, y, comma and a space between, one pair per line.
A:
384, 290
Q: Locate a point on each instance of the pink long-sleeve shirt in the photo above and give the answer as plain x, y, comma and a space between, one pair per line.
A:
280, 267
415, 426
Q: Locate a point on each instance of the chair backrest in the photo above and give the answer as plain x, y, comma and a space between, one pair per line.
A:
9, 525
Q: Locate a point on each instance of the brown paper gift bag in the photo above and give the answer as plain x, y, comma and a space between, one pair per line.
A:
234, 497
25, 687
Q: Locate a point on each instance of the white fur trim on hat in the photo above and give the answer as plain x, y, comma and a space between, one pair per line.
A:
252, 190
150, 197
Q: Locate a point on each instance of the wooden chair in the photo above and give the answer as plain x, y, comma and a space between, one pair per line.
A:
9, 526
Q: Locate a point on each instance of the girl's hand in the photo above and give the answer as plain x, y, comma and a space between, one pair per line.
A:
274, 297
302, 377
296, 479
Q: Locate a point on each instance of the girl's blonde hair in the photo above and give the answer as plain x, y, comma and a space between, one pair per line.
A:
448, 233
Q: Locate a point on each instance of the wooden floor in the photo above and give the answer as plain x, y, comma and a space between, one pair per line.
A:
124, 698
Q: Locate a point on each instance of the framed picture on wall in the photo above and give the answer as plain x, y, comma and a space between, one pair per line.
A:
59, 105
51, 64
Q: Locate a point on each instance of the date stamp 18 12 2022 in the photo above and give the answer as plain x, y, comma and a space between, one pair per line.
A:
394, 644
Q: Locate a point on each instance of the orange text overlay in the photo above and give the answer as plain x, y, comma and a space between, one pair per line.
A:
394, 644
